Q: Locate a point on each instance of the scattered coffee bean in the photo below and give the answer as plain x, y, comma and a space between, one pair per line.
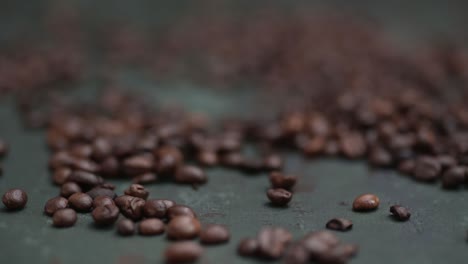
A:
454, 177
190, 174
214, 234
54, 205
105, 215
272, 162
248, 247
69, 188
272, 242
339, 224
125, 227
183, 227
15, 199
183, 252
102, 200
64, 218
61, 175
400, 213
151, 227
366, 202
279, 180
180, 210
157, 208
130, 206
279, 196
137, 190
81, 202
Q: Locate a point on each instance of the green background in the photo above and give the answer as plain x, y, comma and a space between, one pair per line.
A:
435, 233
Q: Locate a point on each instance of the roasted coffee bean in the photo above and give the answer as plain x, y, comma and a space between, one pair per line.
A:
54, 205
296, 254
252, 166
130, 206
101, 191
427, 169
279, 196
102, 200
248, 247
279, 180
139, 164
332, 148
157, 208
446, 161
105, 215
61, 175
453, 177
60, 159
107, 185
232, 160
81, 150
64, 218
272, 242
69, 188
183, 252
109, 167
3, 148
125, 227
151, 227
137, 190
339, 254
84, 165
407, 167
207, 158
180, 210
272, 162
190, 174
147, 143
366, 202
400, 213
352, 145
319, 243
81, 202
183, 227
339, 224
214, 234
380, 157
145, 178
15, 199
101, 149
168, 159
85, 179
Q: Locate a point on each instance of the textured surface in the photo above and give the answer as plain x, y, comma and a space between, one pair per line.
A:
434, 234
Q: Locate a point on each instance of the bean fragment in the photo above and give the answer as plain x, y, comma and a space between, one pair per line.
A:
339, 224
400, 213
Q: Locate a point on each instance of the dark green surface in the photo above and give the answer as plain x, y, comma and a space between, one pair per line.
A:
435, 233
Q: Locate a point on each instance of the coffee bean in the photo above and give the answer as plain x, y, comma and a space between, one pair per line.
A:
248, 247
61, 175
139, 164
339, 254
279, 180
109, 167
84, 165
64, 218
102, 200
81, 150
180, 210
145, 178
151, 227
183, 227
232, 160
380, 157
339, 224
85, 179
207, 158
296, 254
81, 202
131, 207
446, 161
168, 159
60, 159
69, 188
272, 242
453, 177
400, 213
272, 162
183, 252
125, 227
190, 174
101, 149
352, 145
137, 190
54, 205
366, 202
427, 169
101, 191
3, 148
214, 234
157, 208
407, 167
319, 243
252, 166
15, 199
279, 196
105, 215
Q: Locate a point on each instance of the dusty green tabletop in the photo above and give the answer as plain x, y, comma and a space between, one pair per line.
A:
434, 234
